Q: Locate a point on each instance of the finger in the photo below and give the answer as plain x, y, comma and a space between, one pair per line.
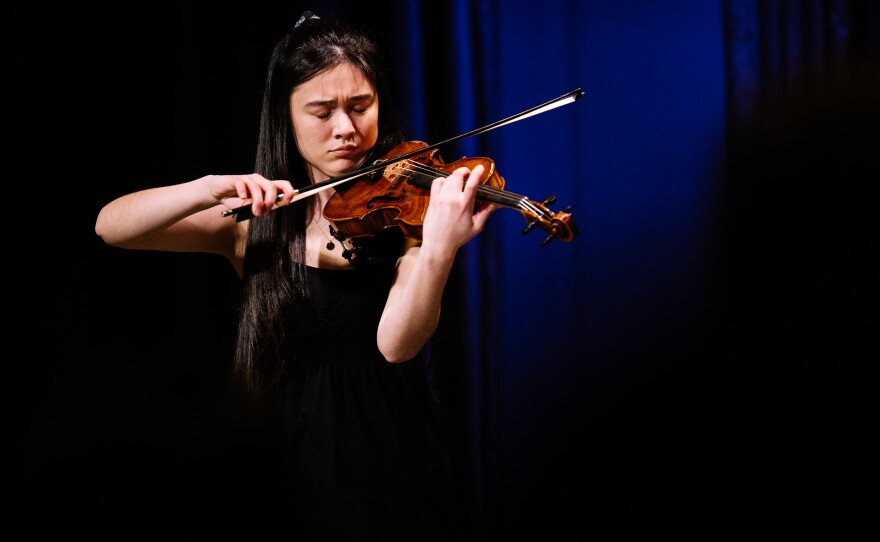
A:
262, 190
287, 191
256, 193
473, 179
270, 196
455, 182
482, 215
242, 190
437, 186
476, 174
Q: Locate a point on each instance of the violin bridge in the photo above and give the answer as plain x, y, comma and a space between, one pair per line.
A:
396, 172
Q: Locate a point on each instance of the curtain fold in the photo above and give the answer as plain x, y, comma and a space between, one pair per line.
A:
448, 74
777, 48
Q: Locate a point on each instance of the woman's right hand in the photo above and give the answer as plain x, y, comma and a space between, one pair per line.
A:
254, 189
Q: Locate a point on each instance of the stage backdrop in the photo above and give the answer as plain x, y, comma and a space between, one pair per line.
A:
609, 385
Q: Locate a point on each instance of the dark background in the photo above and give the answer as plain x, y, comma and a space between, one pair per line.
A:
700, 361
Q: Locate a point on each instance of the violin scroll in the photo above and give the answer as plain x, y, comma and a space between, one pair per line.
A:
558, 225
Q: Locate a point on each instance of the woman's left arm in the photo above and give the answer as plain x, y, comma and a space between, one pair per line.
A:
413, 308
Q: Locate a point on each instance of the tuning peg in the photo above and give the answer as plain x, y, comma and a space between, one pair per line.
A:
549, 200
567, 209
529, 227
547, 239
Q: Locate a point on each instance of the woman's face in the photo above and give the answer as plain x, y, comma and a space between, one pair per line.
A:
335, 117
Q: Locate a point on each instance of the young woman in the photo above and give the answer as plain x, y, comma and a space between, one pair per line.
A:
334, 343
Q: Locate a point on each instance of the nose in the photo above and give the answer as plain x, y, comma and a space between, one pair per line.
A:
343, 127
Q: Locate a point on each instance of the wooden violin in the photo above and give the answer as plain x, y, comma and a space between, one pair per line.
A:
398, 196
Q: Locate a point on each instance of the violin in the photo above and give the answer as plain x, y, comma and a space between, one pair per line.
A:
394, 191
398, 196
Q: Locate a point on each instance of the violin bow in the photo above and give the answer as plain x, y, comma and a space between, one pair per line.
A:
244, 212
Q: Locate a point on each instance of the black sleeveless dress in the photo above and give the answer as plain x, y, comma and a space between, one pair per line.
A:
366, 447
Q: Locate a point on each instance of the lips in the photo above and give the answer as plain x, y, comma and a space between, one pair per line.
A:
345, 152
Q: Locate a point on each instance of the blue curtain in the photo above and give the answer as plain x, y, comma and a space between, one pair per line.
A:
579, 368
447, 78
538, 335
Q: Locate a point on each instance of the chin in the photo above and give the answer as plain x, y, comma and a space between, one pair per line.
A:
341, 167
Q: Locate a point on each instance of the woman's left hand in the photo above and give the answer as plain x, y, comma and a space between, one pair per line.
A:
450, 221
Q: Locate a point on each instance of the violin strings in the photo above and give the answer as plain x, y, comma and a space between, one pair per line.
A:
502, 196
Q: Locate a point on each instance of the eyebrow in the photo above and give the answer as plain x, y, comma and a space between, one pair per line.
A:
324, 103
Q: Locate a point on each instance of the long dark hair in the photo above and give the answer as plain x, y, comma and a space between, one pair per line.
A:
275, 288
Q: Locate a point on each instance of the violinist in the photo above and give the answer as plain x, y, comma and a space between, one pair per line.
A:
330, 333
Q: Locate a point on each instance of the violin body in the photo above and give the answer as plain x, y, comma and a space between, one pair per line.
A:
398, 195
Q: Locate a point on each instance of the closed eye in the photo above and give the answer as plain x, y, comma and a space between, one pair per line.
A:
326, 116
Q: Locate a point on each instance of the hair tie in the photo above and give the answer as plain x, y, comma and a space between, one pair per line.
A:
306, 16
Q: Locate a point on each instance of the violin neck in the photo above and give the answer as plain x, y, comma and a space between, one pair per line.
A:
485, 193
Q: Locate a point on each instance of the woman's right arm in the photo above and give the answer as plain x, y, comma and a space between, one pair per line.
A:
186, 217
